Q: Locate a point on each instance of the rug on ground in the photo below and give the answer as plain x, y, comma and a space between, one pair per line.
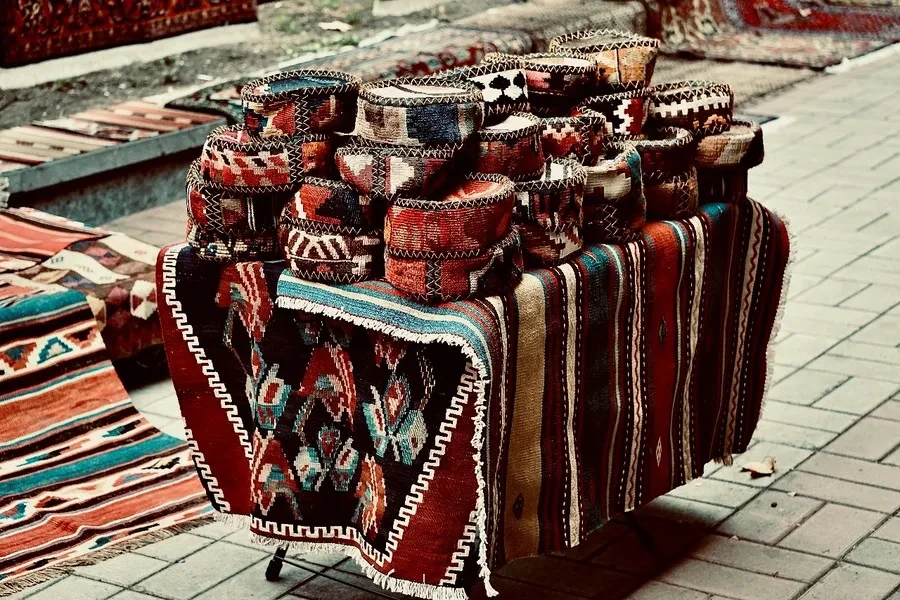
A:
114, 272
785, 32
82, 474
346, 417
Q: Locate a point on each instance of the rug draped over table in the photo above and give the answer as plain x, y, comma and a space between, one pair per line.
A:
786, 32
346, 417
81, 471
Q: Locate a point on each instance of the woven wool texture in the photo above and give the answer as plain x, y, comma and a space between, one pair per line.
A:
722, 185
473, 215
741, 146
624, 60
614, 206
429, 278
333, 203
233, 158
625, 112
456, 246
419, 111
549, 212
668, 151
299, 102
512, 147
701, 107
317, 252
230, 247
558, 81
83, 468
674, 198
387, 171
328, 231
580, 138
220, 210
502, 84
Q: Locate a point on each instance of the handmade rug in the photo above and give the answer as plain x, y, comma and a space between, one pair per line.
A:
784, 32
113, 271
345, 418
41, 29
748, 81
416, 54
28, 237
82, 473
543, 20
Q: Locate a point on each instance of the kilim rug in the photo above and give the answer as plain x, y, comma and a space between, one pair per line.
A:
785, 32
416, 54
543, 20
82, 474
115, 272
41, 29
435, 443
748, 81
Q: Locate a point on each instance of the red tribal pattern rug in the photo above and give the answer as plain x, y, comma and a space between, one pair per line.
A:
115, 273
81, 471
40, 29
785, 32
346, 417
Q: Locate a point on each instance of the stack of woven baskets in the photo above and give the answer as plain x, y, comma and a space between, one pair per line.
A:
450, 185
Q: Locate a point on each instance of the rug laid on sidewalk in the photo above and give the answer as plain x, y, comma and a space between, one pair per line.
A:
747, 81
82, 474
114, 272
785, 32
40, 29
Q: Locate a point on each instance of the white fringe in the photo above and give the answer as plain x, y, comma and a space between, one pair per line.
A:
779, 313
237, 522
480, 408
391, 584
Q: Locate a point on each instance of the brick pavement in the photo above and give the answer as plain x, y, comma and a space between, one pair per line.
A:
825, 526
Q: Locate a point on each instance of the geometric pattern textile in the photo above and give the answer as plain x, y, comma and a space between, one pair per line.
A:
41, 29
784, 32
345, 417
297, 102
116, 274
624, 60
80, 469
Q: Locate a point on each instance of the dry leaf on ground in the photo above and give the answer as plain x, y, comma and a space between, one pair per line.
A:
760, 469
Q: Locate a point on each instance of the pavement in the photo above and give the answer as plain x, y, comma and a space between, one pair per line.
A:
825, 526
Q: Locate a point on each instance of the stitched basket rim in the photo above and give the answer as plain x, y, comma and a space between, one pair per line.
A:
511, 239
363, 146
627, 40
506, 189
288, 223
250, 93
470, 93
576, 177
277, 144
533, 62
487, 134
690, 89
510, 62
214, 191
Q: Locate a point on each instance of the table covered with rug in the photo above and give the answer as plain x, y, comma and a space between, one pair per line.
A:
437, 442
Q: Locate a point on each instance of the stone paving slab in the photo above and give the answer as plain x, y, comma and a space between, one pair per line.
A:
824, 527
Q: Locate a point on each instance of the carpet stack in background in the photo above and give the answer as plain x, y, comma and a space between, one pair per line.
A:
451, 185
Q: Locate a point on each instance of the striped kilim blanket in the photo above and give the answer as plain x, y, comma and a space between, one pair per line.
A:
81, 471
435, 443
